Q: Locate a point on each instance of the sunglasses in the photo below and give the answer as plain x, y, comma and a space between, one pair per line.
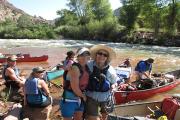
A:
102, 54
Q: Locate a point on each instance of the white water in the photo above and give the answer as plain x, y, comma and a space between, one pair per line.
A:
168, 57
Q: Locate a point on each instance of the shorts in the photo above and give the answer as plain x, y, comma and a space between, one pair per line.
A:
46, 103
69, 108
93, 107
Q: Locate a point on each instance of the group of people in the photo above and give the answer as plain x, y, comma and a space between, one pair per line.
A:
34, 89
87, 85
88, 82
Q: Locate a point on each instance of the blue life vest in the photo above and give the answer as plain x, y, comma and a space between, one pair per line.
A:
34, 94
98, 81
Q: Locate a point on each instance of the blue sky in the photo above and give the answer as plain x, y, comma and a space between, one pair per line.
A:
47, 8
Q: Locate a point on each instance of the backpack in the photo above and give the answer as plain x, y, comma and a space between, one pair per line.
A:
98, 81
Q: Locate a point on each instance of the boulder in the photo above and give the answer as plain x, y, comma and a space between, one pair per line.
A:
15, 113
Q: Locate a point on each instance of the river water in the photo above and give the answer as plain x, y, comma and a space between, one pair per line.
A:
166, 58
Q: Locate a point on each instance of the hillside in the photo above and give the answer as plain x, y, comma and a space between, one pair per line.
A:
9, 11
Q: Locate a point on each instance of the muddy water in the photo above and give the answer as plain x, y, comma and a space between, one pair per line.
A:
166, 59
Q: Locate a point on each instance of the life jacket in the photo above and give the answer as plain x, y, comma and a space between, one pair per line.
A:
170, 106
98, 81
34, 94
8, 81
66, 83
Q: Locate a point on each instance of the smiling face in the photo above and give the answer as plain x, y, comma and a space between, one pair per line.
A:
102, 57
83, 58
39, 74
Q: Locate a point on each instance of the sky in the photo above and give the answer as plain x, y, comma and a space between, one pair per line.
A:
47, 8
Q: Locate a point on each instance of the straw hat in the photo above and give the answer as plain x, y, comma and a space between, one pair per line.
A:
94, 49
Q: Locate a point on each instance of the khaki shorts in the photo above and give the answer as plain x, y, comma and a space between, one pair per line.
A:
94, 108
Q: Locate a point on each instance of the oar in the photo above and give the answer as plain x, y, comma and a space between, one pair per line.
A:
55, 84
150, 109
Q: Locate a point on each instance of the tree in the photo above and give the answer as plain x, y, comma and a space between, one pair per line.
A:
129, 13
67, 17
172, 17
24, 21
101, 9
82, 9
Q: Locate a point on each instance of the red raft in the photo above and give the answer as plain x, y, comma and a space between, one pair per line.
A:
28, 58
127, 96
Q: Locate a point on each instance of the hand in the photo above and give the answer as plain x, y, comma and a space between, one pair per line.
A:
84, 98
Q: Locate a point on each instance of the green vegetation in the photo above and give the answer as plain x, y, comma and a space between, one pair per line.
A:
4, 95
24, 28
139, 21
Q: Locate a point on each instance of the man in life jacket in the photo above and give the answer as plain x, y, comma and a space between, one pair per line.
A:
143, 69
12, 77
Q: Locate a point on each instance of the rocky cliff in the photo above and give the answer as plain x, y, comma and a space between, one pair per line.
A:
9, 11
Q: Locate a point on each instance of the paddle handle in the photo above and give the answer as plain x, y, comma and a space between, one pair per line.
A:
150, 109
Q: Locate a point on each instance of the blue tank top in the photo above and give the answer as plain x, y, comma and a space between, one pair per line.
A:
34, 94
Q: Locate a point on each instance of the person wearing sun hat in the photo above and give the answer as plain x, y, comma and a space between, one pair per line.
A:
13, 80
36, 91
74, 85
11, 73
101, 81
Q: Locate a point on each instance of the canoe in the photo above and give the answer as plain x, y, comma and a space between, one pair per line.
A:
141, 111
55, 72
127, 96
26, 58
132, 111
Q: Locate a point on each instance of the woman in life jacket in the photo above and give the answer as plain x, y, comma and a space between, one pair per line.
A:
36, 91
75, 83
101, 81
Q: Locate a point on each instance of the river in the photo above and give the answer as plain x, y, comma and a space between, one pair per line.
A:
166, 58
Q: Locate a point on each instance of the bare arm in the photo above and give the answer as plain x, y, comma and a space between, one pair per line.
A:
10, 72
44, 87
146, 74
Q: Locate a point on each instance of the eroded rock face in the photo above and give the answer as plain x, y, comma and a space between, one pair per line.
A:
9, 11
